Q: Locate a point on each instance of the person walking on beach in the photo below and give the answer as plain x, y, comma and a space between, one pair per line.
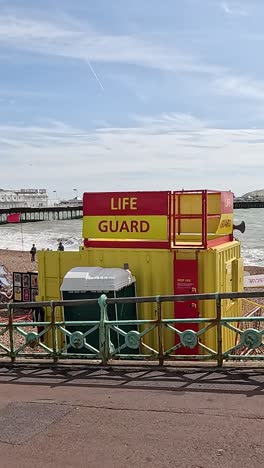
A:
60, 247
33, 252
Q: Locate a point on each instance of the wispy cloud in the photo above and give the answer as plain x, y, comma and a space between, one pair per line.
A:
166, 150
239, 86
234, 9
81, 42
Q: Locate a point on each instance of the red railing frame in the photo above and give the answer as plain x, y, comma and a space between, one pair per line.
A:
205, 242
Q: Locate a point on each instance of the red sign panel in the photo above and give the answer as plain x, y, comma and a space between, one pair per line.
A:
13, 218
227, 202
186, 282
125, 203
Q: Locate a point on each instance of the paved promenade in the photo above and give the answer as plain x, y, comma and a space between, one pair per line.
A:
78, 416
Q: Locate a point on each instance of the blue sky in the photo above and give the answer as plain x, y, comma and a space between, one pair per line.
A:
114, 95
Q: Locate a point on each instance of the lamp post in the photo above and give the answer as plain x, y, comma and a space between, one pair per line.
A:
76, 193
55, 194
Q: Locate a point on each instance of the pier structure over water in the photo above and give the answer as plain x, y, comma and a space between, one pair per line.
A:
245, 204
60, 212
54, 213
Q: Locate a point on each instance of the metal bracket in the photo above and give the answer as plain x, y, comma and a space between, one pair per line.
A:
189, 339
132, 339
251, 338
77, 340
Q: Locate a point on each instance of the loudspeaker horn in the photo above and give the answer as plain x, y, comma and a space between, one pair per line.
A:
240, 227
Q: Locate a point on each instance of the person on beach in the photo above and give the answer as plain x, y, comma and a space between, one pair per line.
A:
38, 315
60, 247
33, 252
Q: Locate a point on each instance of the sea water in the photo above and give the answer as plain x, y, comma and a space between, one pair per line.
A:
47, 235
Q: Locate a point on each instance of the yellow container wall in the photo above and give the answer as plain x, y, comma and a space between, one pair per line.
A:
220, 269
194, 226
52, 267
191, 203
153, 270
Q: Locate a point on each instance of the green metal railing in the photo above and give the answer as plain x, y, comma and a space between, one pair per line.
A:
19, 339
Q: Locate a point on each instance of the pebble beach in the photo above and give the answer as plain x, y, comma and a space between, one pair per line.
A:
15, 260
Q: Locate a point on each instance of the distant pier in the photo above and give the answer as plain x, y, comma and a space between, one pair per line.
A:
245, 204
60, 213
53, 213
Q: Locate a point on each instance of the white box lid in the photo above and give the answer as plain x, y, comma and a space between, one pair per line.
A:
96, 279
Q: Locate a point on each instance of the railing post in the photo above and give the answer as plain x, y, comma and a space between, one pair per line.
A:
54, 333
103, 342
160, 332
219, 332
11, 331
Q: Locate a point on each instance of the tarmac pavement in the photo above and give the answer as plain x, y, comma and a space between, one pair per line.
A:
69, 416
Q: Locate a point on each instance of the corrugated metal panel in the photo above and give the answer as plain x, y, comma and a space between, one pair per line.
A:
52, 267
153, 270
220, 269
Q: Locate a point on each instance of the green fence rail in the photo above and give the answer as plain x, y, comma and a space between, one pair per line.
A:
26, 339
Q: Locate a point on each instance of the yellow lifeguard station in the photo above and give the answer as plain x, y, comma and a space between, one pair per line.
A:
174, 242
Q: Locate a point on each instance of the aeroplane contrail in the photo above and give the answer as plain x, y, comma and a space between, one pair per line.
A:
95, 75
